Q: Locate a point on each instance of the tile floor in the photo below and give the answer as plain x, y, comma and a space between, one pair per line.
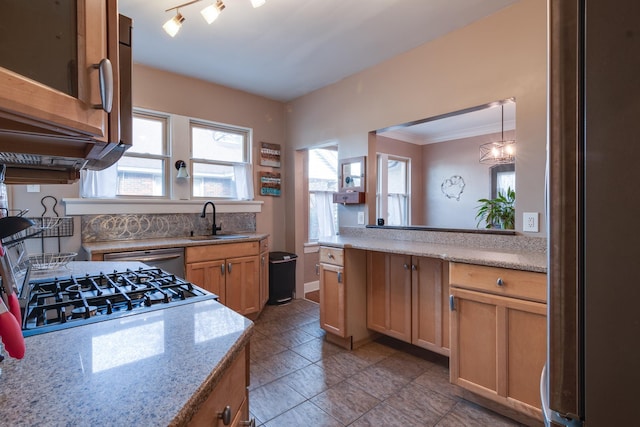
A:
298, 379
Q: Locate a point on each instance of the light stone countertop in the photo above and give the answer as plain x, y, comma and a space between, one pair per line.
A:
94, 248
147, 369
517, 260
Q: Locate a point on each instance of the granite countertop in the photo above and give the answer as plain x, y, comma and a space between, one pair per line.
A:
518, 260
149, 369
169, 242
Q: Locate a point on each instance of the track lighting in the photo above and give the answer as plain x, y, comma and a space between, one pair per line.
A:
209, 13
172, 26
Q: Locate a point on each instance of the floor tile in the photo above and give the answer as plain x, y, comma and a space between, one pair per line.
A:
345, 402
405, 365
466, 414
293, 338
259, 375
305, 414
378, 382
387, 416
421, 403
284, 363
437, 379
344, 364
314, 329
311, 380
263, 346
316, 349
273, 399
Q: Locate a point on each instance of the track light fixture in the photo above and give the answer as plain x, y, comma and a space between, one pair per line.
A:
209, 13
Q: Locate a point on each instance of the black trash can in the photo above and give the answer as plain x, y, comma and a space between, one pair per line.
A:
282, 277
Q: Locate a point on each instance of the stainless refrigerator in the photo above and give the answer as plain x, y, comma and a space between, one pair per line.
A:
592, 375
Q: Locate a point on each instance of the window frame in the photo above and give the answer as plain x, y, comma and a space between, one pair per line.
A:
165, 158
247, 134
382, 191
308, 191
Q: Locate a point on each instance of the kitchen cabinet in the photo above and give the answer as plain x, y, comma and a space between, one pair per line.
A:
498, 334
264, 272
61, 100
407, 299
230, 270
227, 404
342, 296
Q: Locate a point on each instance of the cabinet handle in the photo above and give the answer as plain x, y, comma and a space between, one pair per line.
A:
229, 268
339, 277
414, 267
499, 282
452, 303
225, 415
331, 256
406, 266
250, 423
222, 269
317, 269
105, 80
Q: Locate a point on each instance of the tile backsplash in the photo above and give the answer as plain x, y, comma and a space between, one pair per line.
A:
100, 228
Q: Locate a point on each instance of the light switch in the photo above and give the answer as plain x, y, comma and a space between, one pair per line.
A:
530, 222
361, 218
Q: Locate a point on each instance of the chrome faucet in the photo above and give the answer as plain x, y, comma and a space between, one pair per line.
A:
214, 227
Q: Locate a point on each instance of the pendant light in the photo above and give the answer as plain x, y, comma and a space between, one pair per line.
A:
498, 152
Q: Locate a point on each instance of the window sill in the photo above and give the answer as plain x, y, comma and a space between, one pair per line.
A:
151, 206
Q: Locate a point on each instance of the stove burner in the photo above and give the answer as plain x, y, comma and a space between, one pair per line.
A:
76, 300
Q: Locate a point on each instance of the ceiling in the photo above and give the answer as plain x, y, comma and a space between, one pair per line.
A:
288, 48
480, 120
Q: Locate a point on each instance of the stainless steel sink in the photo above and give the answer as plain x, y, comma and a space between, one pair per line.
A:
220, 237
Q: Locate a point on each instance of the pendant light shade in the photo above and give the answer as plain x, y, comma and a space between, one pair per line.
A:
209, 13
172, 26
498, 152
181, 166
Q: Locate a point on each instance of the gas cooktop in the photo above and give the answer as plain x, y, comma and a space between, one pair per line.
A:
59, 303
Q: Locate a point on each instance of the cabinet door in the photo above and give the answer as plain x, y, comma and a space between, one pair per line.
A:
243, 284
209, 275
61, 92
389, 294
498, 348
430, 308
332, 299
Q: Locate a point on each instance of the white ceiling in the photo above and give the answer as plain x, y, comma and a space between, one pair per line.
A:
288, 48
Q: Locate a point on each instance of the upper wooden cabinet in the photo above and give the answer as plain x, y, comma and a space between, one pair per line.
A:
59, 83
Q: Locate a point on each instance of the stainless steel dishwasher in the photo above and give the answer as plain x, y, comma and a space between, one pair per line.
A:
170, 259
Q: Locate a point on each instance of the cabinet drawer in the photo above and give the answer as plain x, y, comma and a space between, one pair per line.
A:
221, 251
501, 281
264, 245
230, 391
333, 256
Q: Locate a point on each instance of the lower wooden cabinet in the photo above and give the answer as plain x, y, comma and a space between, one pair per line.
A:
232, 271
228, 403
498, 338
407, 299
342, 296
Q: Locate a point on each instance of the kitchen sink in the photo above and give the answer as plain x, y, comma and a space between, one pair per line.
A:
220, 237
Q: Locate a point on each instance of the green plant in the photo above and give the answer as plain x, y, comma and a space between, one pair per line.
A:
499, 212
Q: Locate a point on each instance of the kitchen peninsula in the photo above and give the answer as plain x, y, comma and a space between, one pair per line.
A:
154, 368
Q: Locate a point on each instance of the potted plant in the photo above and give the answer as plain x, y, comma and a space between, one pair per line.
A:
499, 212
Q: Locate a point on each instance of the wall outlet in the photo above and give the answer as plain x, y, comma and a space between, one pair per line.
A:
530, 222
33, 188
361, 218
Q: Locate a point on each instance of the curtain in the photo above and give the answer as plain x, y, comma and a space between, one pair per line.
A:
397, 209
324, 212
95, 184
244, 182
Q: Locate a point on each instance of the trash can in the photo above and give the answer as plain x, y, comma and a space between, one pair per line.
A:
282, 277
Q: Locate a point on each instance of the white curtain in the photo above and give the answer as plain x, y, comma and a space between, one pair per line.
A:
244, 181
397, 214
95, 184
324, 205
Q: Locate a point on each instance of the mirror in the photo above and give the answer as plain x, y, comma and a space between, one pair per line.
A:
352, 174
445, 175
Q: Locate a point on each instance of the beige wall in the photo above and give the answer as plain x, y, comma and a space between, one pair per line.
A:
496, 58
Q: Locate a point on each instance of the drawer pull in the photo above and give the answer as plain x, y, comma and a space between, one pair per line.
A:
499, 282
331, 256
229, 268
339, 277
225, 415
222, 269
406, 266
414, 267
452, 303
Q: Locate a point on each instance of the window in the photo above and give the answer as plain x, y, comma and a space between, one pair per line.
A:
142, 169
393, 190
322, 166
220, 161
